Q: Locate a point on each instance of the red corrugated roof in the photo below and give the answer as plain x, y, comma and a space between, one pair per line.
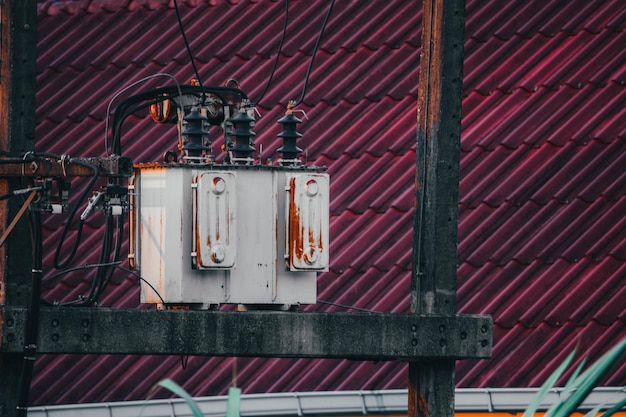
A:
542, 227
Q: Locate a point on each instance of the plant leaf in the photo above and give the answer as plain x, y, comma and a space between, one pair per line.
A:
178, 390
615, 408
234, 396
570, 386
589, 379
547, 386
594, 411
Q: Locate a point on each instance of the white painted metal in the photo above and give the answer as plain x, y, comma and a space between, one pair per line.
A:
214, 220
326, 403
210, 237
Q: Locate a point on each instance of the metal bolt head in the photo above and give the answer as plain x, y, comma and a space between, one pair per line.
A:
218, 253
312, 188
311, 256
219, 185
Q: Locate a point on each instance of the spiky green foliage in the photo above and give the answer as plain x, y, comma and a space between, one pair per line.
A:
579, 385
232, 409
180, 391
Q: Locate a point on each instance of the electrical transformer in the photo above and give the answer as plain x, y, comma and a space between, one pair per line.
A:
205, 234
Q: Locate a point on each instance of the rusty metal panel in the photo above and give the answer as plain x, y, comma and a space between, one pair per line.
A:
133, 222
214, 220
307, 217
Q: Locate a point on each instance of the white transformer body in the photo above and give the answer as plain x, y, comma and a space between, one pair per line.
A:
251, 234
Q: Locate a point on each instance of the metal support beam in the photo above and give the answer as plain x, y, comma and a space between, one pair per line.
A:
379, 336
433, 286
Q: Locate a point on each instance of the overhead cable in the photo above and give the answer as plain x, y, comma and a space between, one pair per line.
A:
280, 48
315, 48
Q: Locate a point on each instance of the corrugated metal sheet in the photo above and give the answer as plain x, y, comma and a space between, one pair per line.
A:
542, 232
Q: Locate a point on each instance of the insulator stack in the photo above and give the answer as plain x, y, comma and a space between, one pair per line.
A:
243, 134
289, 135
195, 135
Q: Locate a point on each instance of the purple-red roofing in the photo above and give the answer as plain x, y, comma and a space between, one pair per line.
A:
542, 213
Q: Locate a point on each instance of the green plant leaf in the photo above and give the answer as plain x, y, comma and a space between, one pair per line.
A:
547, 386
234, 396
594, 411
615, 408
178, 390
589, 379
570, 386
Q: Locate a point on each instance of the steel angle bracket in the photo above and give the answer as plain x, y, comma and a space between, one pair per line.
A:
358, 336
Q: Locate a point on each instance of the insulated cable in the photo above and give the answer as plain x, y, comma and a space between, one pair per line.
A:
123, 90
193, 63
142, 279
76, 268
280, 48
317, 44
123, 110
330, 303
81, 198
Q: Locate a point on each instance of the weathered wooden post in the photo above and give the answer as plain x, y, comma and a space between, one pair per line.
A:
18, 51
433, 285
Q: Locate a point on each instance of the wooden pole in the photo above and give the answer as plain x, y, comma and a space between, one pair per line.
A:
433, 284
18, 50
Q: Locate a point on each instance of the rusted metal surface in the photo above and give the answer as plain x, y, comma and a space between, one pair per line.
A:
113, 166
133, 224
215, 221
308, 222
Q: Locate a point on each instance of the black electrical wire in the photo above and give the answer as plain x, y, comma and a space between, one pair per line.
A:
104, 273
76, 268
347, 307
141, 279
119, 220
280, 48
124, 109
315, 48
33, 157
193, 63
105, 253
81, 198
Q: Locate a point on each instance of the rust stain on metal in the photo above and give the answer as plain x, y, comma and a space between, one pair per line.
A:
296, 229
132, 225
197, 237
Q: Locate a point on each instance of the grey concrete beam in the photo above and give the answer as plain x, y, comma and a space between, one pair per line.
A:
358, 336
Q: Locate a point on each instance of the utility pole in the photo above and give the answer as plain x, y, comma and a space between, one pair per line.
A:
18, 51
430, 338
433, 284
